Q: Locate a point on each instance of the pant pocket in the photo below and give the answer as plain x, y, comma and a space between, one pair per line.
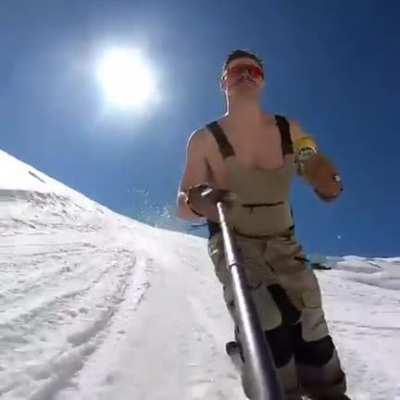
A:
217, 255
312, 298
314, 325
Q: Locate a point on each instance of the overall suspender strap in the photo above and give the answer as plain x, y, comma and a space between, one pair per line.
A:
287, 145
223, 144
284, 129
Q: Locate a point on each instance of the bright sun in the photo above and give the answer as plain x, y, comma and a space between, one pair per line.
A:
126, 79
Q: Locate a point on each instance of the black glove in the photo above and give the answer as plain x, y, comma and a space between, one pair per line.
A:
203, 199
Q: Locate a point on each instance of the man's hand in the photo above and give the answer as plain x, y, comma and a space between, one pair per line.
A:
203, 199
316, 169
323, 176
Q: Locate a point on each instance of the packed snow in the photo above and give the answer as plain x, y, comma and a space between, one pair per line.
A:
94, 305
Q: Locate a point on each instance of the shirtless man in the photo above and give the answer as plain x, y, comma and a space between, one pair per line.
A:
248, 158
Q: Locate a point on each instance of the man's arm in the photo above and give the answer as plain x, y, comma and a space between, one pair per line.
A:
313, 166
303, 145
195, 172
296, 131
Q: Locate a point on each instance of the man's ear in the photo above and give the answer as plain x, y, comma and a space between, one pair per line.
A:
222, 84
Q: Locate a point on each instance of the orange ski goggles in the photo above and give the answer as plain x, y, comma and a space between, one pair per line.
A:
236, 71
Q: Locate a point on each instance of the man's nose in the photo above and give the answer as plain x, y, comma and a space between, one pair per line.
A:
246, 74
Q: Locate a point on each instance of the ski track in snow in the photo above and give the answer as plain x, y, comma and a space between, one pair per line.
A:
63, 277
52, 322
176, 325
95, 306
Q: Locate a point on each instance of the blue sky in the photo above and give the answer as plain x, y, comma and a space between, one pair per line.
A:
333, 66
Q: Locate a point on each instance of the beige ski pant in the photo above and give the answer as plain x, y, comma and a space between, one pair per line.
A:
287, 297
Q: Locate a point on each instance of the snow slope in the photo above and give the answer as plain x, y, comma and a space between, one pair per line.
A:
94, 305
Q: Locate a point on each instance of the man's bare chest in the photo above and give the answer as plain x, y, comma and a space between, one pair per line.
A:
257, 150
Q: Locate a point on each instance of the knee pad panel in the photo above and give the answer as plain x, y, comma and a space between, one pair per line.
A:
315, 353
280, 344
290, 314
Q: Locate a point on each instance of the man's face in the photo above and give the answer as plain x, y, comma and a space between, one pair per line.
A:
243, 77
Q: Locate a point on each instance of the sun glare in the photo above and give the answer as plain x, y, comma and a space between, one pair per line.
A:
126, 79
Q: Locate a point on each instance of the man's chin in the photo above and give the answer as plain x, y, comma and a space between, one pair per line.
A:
246, 90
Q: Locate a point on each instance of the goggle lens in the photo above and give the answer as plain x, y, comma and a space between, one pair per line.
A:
236, 71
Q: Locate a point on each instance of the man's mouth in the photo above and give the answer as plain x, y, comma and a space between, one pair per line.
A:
246, 81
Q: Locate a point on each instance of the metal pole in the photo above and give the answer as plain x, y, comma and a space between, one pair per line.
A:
257, 354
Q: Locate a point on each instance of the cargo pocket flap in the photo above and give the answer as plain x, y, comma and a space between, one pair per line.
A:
312, 298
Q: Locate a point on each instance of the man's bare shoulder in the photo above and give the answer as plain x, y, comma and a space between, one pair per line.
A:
197, 136
200, 139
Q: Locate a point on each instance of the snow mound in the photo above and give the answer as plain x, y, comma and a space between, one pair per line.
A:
30, 199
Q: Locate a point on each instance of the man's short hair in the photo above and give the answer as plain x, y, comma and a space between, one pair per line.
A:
241, 54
